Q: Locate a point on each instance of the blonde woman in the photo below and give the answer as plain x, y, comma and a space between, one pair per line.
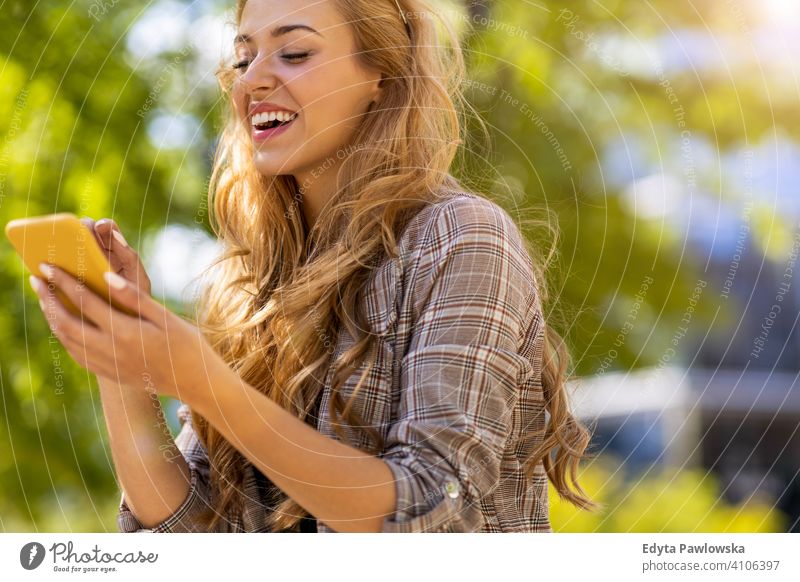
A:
370, 353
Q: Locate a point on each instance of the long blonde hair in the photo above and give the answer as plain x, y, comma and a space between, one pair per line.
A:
278, 291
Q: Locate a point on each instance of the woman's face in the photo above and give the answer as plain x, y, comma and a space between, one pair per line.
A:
299, 55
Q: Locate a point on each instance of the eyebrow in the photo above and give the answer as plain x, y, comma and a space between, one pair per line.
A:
276, 32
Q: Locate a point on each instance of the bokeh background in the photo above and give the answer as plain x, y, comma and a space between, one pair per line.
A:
661, 138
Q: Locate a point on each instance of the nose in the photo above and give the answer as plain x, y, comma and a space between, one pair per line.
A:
258, 76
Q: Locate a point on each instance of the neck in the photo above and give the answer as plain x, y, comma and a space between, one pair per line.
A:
317, 188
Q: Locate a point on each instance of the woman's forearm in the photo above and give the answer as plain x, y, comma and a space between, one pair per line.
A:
152, 472
344, 487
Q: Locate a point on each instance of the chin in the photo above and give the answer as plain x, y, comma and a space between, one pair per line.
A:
272, 166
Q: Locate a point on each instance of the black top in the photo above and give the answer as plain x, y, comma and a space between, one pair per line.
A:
266, 488
308, 525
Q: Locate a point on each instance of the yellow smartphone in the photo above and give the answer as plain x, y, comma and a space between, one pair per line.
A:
63, 240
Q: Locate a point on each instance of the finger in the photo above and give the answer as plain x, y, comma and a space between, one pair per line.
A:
93, 307
86, 345
62, 322
123, 257
116, 242
135, 299
89, 223
111, 232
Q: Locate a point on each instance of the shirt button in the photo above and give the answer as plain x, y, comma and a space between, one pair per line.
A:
452, 489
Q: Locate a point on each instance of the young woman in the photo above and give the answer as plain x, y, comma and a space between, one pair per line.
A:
370, 354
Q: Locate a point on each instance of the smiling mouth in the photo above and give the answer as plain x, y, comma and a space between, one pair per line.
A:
272, 120
273, 124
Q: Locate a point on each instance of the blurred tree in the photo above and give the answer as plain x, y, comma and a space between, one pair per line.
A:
562, 84
72, 140
76, 109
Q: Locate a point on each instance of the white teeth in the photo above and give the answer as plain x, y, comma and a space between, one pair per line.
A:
281, 116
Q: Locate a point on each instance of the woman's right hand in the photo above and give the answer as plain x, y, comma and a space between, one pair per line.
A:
124, 260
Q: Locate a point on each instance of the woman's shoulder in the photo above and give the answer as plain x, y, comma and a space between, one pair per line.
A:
456, 228
459, 215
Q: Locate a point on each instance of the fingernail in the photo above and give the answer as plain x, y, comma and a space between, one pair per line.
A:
114, 280
37, 286
118, 235
46, 270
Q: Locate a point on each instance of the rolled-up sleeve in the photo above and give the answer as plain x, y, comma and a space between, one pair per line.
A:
186, 516
469, 292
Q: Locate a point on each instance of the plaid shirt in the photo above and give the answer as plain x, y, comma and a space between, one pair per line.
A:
456, 384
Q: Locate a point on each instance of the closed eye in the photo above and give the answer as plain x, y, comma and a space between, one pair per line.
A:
292, 58
295, 57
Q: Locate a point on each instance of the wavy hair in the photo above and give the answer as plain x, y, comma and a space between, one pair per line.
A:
279, 290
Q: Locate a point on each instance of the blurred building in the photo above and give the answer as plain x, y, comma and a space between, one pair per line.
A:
744, 426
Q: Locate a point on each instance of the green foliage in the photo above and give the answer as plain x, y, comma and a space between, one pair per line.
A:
72, 139
552, 106
663, 501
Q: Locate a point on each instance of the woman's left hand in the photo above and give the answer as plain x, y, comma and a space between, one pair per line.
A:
158, 350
